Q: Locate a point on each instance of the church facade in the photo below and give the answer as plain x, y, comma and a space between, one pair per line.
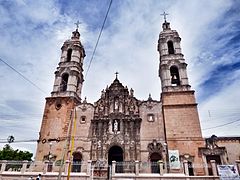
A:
119, 127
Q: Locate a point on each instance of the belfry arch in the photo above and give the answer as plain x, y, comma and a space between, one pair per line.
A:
69, 55
64, 82
170, 47
175, 79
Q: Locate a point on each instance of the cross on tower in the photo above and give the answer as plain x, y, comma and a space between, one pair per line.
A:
164, 16
116, 74
77, 24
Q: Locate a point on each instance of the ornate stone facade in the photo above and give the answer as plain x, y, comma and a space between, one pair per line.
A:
116, 122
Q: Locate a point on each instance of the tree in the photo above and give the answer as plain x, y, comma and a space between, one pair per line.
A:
8, 153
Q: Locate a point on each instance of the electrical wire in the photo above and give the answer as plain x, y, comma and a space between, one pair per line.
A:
24, 77
18, 141
77, 138
217, 118
221, 125
95, 48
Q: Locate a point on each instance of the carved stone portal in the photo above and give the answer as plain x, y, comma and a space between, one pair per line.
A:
116, 122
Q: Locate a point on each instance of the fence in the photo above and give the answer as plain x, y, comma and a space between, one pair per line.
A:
11, 170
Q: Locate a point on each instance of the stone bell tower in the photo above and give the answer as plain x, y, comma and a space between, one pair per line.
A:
64, 98
179, 107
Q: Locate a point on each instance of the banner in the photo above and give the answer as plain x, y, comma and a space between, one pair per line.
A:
228, 172
174, 160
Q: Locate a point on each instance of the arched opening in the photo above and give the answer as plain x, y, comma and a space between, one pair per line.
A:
217, 159
175, 80
69, 55
63, 86
170, 47
154, 158
115, 153
190, 168
77, 159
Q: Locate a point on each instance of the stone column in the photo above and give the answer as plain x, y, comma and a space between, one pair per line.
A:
137, 168
30, 169
3, 167
214, 167
45, 166
185, 166
205, 164
89, 166
131, 127
113, 167
161, 167
99, 128
66, 166
24, 167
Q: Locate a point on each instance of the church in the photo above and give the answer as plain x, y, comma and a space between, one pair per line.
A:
120, 127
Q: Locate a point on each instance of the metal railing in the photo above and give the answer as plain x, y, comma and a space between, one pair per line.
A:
100, 169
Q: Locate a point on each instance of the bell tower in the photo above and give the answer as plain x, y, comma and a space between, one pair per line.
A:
179, 107
66, 95
173, 68
69, 76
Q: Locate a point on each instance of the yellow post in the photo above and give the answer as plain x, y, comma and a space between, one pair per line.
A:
72, 140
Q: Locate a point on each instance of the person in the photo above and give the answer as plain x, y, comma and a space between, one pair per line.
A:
39, 177
31, 178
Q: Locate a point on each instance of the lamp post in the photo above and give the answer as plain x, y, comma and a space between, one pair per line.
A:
50, 158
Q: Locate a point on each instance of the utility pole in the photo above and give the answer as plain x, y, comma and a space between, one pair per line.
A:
67, 142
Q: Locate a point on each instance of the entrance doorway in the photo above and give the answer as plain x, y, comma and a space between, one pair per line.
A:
115, 153
212, 157
154, 158
77, 158
190, 169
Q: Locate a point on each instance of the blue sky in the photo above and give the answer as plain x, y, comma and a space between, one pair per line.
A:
32, 33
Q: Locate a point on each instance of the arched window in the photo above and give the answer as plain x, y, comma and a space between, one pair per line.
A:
170, 47
175, 80
69, 55
63, 86
77, 159
83, 119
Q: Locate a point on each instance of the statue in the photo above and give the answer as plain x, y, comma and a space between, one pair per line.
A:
116, 103
115, 126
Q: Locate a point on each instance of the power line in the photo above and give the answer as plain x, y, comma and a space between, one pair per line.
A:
77, 138
95, 48
18, 141
24, 77
222, 125
217, 118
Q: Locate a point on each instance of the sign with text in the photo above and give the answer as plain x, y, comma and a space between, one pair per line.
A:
174, 160
228, 172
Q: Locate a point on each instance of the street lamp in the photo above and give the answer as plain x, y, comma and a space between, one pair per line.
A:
50, 158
